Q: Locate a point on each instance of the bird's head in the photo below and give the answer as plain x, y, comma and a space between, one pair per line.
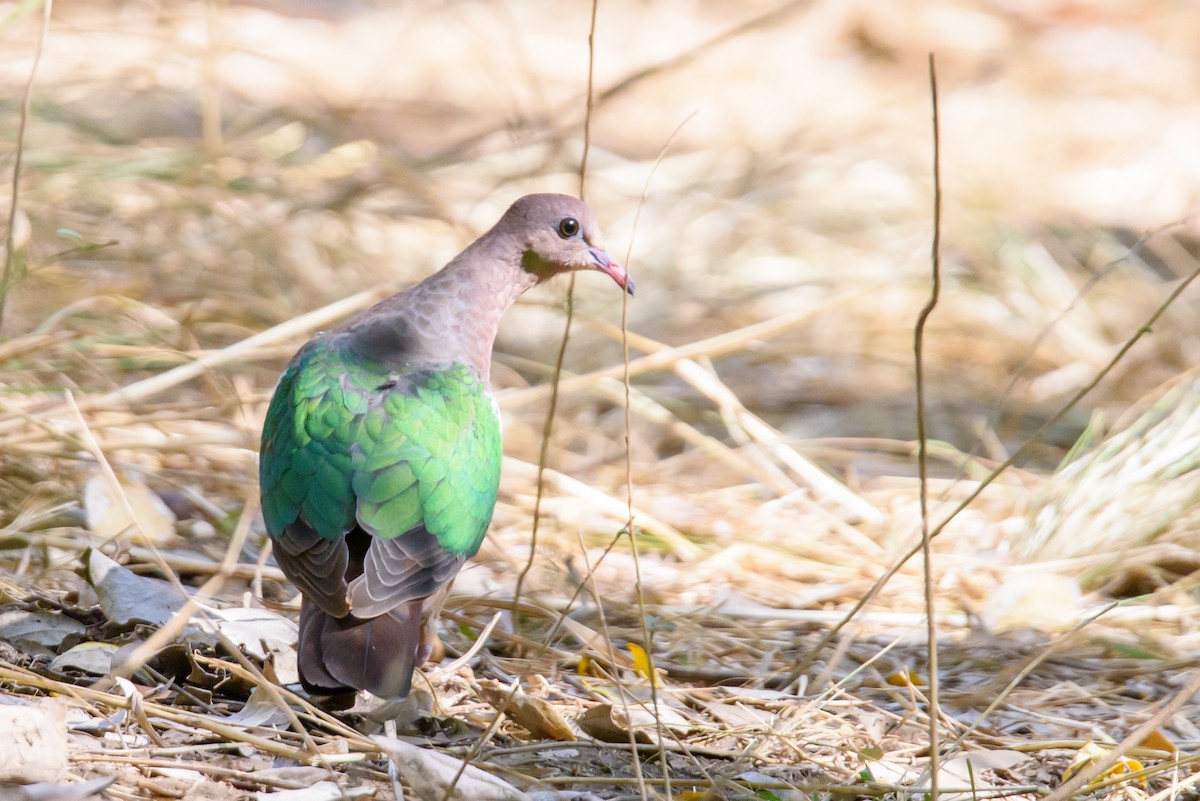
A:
562, 236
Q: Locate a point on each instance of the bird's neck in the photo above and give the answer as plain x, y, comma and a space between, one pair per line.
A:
462, 303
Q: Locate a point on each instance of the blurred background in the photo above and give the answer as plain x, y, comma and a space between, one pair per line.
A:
198, 172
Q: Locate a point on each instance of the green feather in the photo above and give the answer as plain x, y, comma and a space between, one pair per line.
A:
346, 439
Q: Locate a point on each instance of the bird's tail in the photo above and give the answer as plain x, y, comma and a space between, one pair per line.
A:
341, 655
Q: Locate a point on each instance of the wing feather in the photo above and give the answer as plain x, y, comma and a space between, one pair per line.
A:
410, 456
402, 569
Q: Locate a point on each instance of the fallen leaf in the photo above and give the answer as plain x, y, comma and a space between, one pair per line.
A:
965, 771
1159, 742
643, 665
611, 723
593, 642
89, 657
597, 722
33, 741
127, 598
964, 765
1089, 753
905, 678
281, 667
321, 791
108, 516
47, 629
890, 772
431, 773
534, 714
260, 709
737, 716
49, 791
256, 631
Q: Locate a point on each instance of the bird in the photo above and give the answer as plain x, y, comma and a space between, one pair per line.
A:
381, 447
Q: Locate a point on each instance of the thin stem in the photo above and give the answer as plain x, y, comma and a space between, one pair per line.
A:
923, 441
647, 632
10, 242
547, 430
548, 425
591, 100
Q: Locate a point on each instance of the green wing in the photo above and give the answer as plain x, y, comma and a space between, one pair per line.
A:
429, 454
308, 441
410, 455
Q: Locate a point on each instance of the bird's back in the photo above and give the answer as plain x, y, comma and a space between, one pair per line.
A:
379, 471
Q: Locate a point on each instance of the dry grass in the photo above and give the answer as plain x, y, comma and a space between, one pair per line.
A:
781, 260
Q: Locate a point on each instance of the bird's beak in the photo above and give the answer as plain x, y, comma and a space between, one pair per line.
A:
605, 264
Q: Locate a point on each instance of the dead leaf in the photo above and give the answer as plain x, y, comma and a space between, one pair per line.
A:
965, 771
127, 598
281, 667
737, 716
260, 709
47, 629
643, 665
255, 630
33, 741
89, 657
890, 772
598, 723
905, 678
321, 791
534, 714
1159, 742
964, 765
587, 667
108, 516
1089, 754
430, 774
48, 791
611, 723
594, 642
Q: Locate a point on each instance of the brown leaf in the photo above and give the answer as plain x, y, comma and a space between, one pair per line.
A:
598, 722
611, 724
534, 714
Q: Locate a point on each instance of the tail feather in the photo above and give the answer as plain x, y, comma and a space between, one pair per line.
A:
340, 655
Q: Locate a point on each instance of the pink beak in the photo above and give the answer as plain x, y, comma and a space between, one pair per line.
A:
605, 264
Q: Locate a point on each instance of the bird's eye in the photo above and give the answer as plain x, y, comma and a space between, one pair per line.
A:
568, 227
